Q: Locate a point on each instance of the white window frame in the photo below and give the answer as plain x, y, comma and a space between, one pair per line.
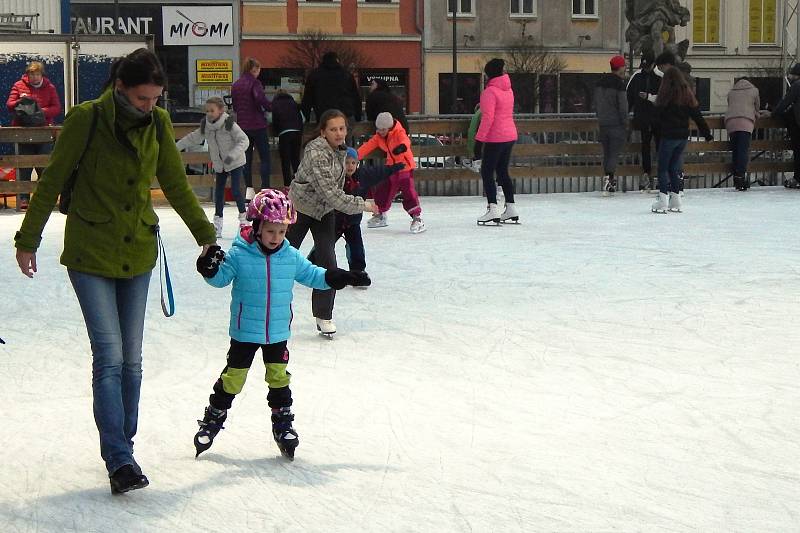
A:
583, 14
521, 14
459, 12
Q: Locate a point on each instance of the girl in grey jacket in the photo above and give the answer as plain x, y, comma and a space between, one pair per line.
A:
226, 148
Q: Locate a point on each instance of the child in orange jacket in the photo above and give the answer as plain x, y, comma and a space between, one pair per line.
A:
392, 139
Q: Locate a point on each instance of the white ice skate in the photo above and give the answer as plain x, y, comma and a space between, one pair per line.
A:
609, 186
326, 328
218, 226
510, 215
417, 225
242, 219
378, 221
660, 205
492, 216
675, 202
645, 183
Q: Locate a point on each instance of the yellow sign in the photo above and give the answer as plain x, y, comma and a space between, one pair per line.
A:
214, 65
215, 77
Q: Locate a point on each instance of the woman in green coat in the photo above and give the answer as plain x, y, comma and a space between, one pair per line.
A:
110, 236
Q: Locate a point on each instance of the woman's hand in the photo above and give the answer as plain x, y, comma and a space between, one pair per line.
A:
370, 207
206, 247
26, 262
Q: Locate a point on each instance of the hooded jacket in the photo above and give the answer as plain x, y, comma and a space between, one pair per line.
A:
225, 139
250, 102
316, 189
330, 86
286, 114
611, 102
497, 112
394, 138
45, 95
643, 109
261, 297
111, 226
743, 102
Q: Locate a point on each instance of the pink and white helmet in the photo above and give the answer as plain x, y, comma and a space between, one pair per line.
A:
271, 205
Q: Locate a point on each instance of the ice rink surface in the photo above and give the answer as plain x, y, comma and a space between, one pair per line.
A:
598, 368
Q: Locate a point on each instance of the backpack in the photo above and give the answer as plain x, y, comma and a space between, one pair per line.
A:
28, 113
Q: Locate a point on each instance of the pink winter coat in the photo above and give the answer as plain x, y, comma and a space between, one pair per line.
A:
497, 112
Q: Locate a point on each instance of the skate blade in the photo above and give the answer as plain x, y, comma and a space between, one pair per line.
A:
675, 211
493, 222
328, 335
659, 212
511, 221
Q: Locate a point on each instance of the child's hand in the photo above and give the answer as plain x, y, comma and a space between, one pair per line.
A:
400, 149
397, 167
208, 263
370, 207
338, 278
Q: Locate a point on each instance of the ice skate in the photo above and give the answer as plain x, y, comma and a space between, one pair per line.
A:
645, 183
492, 216
791, 183
510, 215
674, 202
609, 186
126, 478
660, 205
326, 328
285, 436
417, 225
218, 226
473, 165
378, 221
210, 425
243, 219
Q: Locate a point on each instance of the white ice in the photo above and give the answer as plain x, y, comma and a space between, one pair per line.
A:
598, 368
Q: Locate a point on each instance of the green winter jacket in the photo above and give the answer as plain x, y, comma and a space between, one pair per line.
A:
111, 225
474, 124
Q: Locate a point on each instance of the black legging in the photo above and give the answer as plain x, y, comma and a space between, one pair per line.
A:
496, 157
324, 234
289, 145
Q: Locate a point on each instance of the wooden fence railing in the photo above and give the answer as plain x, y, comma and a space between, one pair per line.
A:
552, 155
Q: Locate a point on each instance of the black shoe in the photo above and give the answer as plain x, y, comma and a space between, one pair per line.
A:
125, 478
738, 183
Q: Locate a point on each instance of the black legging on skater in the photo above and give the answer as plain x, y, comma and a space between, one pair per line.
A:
496, 157
324, 235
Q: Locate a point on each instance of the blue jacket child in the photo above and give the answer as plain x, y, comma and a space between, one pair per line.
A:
262, 266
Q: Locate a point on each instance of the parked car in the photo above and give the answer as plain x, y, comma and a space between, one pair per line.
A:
424, 139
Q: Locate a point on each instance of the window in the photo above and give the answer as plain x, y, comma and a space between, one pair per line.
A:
465, 7
706, 21
378, 1
584, 8
763, 16
523, 8
469, 93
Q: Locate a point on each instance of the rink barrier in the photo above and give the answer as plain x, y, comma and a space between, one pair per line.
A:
552, 155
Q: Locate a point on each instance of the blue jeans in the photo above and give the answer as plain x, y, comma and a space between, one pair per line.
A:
259, 140
113, 310
219, 190
354, 247
740, 151
670, 164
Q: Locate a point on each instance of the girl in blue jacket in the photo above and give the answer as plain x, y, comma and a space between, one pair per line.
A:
263, 268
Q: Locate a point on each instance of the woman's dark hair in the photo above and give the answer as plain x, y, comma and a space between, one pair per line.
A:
675, 90
380, 84
329, 115
140, 67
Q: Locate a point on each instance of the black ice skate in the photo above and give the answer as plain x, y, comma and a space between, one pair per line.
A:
285, 435
210, 425
126, 478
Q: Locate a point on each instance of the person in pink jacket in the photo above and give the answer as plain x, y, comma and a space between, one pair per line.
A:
497, 135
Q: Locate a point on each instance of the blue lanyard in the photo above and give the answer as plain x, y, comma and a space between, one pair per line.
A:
168, 307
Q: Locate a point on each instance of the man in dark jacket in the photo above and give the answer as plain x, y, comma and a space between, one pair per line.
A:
612, 118
331, 86
644, 81
381, 99
287, 120
789, 109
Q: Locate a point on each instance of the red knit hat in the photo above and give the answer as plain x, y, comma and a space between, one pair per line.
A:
617, 62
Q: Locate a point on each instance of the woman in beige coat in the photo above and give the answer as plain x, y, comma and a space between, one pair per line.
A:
740, 120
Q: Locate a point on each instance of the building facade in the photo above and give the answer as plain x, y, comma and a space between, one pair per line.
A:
382, 38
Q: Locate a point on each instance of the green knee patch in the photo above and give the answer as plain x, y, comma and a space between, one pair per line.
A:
233, 380
277, 376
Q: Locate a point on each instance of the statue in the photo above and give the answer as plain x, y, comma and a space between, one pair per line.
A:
651, 26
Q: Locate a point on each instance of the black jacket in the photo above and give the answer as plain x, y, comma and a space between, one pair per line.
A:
285, 114
643, 110
610, 102
381, 100
330, 86
789, 106
673, 121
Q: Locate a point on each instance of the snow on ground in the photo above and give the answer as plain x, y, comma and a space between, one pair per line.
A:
598, 368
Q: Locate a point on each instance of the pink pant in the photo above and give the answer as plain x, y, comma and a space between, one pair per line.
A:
384, 193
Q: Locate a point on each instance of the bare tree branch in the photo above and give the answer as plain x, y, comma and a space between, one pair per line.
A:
306, 53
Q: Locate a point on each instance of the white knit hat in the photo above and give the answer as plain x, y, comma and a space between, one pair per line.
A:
384, 121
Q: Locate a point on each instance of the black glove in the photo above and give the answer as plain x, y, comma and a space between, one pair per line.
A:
228, 160
338, 279
208, 265
709, 137
397, 167
401, 149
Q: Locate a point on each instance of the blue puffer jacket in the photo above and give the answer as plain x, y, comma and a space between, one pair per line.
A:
261, 298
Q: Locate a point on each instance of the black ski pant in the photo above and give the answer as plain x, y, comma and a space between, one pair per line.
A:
289, 145
324, 234
234, 375
496, 158
649, 134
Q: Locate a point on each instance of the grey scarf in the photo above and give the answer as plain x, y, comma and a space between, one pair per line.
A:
128, 108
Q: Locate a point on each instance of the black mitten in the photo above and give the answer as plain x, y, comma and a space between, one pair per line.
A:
338, 279
208, 265
400, 149
397, 167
